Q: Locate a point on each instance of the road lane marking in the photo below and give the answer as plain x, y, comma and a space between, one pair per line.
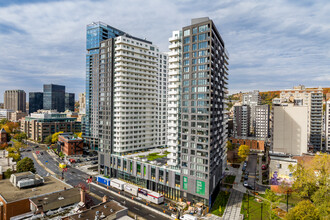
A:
152, 216
136, 208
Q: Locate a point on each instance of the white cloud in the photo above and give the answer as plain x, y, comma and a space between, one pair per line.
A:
271, 44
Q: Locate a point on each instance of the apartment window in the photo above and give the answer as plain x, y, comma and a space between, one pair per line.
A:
186, 55
194, 39
194, 30
186, 40
194, 47
186, 48
186, 32
202, 28
202, 45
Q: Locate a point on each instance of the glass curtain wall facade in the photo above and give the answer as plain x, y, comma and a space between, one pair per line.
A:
35, 101
69, 101
54, 97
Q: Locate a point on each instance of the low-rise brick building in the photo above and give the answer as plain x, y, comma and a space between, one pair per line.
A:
252, 142
71, 145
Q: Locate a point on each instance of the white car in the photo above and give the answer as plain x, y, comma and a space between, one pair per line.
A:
245, 183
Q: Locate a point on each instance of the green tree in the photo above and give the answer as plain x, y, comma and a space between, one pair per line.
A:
243, 151
55, 136
3, 121
48, 139
20, 136
26, 164
8, 173
304, 210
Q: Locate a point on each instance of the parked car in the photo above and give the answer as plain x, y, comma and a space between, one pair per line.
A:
41, 153
94, 162
250, 187
72, 160
264, 166
36, 146
28, 150
94, 158
244, 168
245, 164
245, 183
84, 155
78, 161
246, 176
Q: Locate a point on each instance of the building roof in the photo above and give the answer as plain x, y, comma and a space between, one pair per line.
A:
3, 131
107, 208
10, 193
56, 200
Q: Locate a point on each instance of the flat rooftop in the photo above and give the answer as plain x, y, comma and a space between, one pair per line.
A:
11, 193
155, 156
108, 209
57, 199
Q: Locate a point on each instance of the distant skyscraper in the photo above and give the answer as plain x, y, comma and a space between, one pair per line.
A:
35, 101
69, 101
261, 129
54, 97
15, 100
252, 99
241, 122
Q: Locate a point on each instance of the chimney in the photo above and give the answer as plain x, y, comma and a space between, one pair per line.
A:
82, 196
104, 199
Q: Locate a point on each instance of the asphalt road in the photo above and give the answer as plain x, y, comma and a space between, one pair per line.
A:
74, 177
252, 169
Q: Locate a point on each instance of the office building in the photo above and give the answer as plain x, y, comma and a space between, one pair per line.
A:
69, 101
327, 126
96, 32
252, 99
312, 98
5, 113
35, 101
242, 115
39, 125
290, 129
54, 97
15, 100
261, 128
174, 98
16, 116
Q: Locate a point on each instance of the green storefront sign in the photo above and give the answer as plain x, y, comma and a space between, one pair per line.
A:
185, 183
200, 187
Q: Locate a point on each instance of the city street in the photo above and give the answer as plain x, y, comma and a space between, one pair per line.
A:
74, 177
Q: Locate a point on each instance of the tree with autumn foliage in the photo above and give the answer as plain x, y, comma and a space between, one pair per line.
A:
55, 136
311, 183
243, 151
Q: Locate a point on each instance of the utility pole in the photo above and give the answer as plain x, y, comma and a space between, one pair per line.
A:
261, 210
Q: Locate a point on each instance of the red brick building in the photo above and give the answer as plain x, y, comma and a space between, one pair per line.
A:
255, 144
71, 145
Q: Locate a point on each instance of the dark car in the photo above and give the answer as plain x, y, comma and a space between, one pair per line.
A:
246, 176
244, 168
250, 187
84, 155
28, 150
41, 153
94, 162
36, 146
78, 161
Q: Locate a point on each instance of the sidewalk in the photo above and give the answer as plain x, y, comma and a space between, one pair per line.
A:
233, 208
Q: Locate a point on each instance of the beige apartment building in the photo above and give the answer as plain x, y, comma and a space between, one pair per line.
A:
39, 125
290, 129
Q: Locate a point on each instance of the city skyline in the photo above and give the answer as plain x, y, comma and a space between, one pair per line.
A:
278, 43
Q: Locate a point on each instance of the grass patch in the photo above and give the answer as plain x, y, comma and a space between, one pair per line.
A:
220, 203
254, 209
230, 179
154, 156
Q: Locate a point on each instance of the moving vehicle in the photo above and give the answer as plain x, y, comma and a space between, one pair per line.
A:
72, 160
103, 180
131, 189
245, 183
264, 166
188, 217
118, 184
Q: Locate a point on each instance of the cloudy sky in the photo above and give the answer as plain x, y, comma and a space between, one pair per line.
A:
272, 44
